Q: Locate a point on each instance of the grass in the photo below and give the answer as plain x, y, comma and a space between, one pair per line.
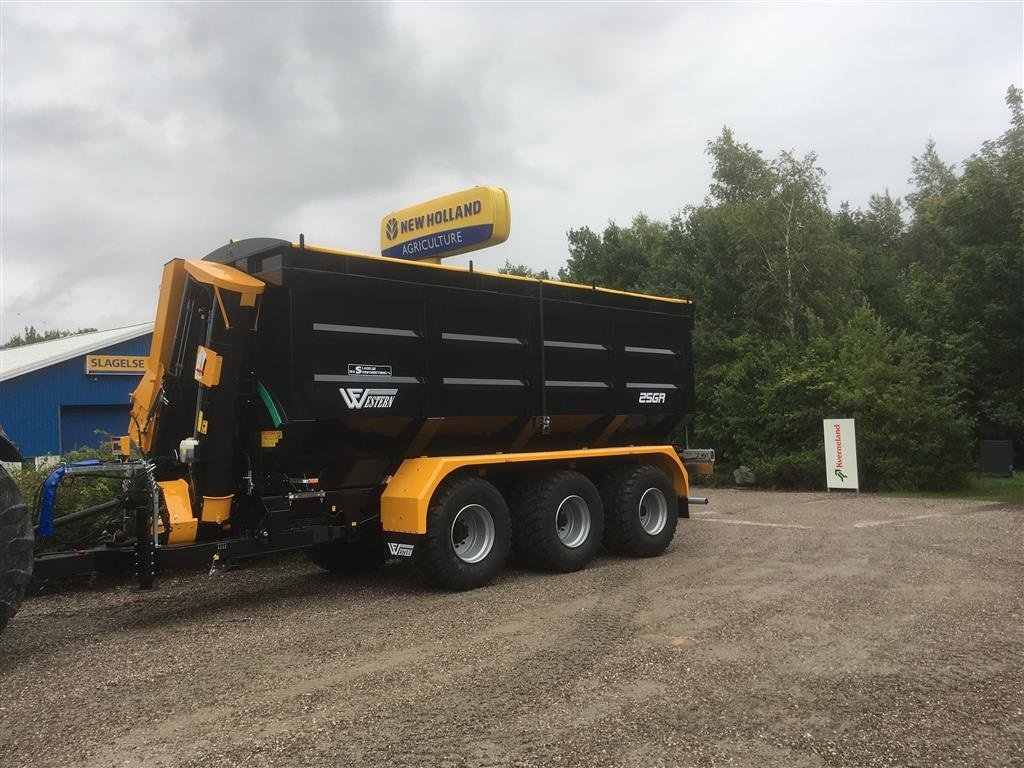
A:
984, 488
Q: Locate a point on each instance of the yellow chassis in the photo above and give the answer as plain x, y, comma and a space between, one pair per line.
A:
403, 507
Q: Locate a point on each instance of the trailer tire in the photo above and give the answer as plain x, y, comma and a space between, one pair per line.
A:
351, 557
641, 511
557, 521
16, 548
468, 535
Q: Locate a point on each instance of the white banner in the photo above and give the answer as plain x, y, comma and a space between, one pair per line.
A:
841, 454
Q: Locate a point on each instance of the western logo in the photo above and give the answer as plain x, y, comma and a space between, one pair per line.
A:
391, 228
357, 398
400, 550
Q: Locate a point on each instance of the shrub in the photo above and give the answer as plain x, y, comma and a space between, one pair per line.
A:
73, 494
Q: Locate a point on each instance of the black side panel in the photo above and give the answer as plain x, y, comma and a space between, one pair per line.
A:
373, 346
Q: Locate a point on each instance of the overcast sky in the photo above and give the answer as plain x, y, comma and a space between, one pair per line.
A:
136, 133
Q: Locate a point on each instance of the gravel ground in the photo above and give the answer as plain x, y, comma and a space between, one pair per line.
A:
778, 630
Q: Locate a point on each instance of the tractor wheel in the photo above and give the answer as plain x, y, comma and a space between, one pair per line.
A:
557, 521
468, 535
641, 511
16, 544
363, 556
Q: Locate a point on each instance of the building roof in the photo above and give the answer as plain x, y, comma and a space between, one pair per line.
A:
31, 357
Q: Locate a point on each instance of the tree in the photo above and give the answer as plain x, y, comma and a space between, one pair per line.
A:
965, 289
912, 431
779, 238
767, 406
931, 177
877, 235
508, 268
912, 324
31, 336
619, 258
741, 174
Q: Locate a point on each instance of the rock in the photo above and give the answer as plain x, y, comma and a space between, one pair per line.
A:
743, 476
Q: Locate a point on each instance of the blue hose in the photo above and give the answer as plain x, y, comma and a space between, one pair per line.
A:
49, 499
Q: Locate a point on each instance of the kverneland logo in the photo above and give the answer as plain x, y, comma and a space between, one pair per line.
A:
357, 398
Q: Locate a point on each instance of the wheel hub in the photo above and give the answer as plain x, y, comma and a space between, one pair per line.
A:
472, 533
653, 511
572, 521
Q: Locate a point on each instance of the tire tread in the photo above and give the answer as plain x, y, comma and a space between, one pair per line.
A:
16, 548
533, 538
623, 534
434, 558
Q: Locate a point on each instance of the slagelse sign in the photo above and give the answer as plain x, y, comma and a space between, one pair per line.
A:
841, 454
117, 364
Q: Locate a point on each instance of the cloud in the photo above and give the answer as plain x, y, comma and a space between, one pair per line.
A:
135, 133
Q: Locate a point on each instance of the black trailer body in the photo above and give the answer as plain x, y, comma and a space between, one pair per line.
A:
368, 361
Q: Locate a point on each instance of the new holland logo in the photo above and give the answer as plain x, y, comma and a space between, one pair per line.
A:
400, 550
391, 228
368, 398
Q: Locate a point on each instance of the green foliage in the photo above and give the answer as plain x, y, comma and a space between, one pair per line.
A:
619, 258
913, 325
877, 235
931, 177
763, 406
965, 287
911, 429
523, 271
73, 494
31, 336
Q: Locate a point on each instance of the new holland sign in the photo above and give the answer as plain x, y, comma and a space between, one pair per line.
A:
841, 454
120, 364
457, 223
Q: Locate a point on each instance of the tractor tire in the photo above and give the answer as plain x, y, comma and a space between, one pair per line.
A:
641, 511
557, 521
17, 542
351, 557
468, 535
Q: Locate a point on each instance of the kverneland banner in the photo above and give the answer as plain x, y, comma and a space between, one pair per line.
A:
841, 454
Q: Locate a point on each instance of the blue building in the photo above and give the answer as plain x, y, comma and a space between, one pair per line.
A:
69, 393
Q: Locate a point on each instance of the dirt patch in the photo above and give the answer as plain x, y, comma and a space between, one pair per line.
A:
779, 630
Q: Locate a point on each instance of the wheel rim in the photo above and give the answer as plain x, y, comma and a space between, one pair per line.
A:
572, 521
472, 533
653, 511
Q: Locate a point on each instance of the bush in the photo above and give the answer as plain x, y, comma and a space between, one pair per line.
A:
73, 494
766, 403
912, 432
